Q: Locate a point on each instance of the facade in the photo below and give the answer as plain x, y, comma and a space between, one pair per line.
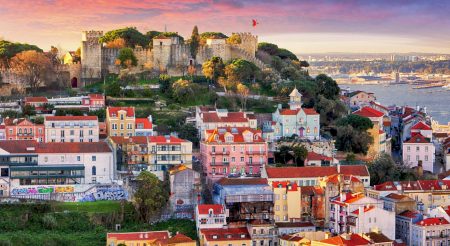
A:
423, 129
293, 240
286, 228
71, 129
262, 232
207, 118
287, 202
357, 99
210, 216
233, 152
380, 139
25, 163
184, 191
430, 231
90, 102
350, 239
144, 126
120, 121
315, 159
225, 237
419, 150
311, 176
302, 122
356, 213
148, 238
23, 129
37, 102
398, 203
403, 223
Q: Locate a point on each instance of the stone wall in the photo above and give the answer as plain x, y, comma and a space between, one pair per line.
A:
91, 56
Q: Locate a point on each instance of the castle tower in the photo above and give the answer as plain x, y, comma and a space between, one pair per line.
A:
249, 42
295, 99
91, 56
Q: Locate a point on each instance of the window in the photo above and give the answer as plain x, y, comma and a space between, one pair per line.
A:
408, 148
417, 157
284, 197
417, 148
129, 126
242, 159
426, 158
121, 126
72, 132
408, 157
277, 207
78, 158
94, 170
62, 133
426, 148
233, 159
121, 117
94, 158
62, 158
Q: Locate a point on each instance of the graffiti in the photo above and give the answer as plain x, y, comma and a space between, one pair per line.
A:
110, 194
42, 190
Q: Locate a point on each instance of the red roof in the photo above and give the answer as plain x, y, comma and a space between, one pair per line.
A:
225, 234
70, 118
165, 139
114, 111
306, 172
421, 126
231, 117
310, 111
143, 236
368, 112
418, 138
366, 209
180, 238
145, 122
284, 184
36, 100
217, 208
433, 221
335, 178
349, 198
289, 111
313, 156
409, 214
237, 133
96, 96
353, 240
242, 181
379, 105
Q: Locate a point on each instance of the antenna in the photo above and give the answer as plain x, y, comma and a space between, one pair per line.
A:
165, 28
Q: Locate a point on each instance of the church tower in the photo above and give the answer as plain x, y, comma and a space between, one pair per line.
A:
295, 99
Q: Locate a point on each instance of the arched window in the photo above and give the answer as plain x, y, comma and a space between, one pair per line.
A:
94, 170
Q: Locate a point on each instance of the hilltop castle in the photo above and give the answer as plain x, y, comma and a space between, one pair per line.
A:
169, 54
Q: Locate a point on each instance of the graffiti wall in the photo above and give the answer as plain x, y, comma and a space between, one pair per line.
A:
71, 193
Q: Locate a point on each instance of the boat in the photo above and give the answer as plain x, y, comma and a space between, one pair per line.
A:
431, 85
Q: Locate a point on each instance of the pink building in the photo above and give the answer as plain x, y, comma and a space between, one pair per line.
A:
233, 151
23, 129
423, 129
94, 101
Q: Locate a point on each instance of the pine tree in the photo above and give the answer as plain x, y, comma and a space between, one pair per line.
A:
195, 41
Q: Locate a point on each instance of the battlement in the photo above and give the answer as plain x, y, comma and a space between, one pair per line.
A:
86, 35
247, 37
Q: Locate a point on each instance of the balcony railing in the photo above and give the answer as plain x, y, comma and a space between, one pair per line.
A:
252, 152
252, 163
219, 152
224, 163
332, 219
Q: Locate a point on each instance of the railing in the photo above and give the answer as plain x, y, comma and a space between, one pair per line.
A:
255, 152
24, 163
224, 163
219, 152
254, 163
332, 219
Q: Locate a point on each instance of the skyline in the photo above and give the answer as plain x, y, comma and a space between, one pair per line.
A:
301, 26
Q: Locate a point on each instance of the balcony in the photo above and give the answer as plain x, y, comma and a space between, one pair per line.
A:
254, 175
252, 163
137, 162
332, 219
252, 152
219, 152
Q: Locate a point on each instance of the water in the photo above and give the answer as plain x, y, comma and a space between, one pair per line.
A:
437, 100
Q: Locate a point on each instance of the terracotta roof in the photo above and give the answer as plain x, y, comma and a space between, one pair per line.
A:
237, 133
242, 181
433, 221
115, 110
335, 178
386, 123
14, 122
395, 196
349, 198
288, 111
421, 126
145, 122
354, 239
378, 237
418, 138
306, 172
70, 118
368, 112
291, 238
96, 96
366, 209
231, 117
313, 156
285, 184
310, 111
180, 238
378, 105
409, 214
164, 139
36, 100
140, 236
217, 208
225, 234
22, 146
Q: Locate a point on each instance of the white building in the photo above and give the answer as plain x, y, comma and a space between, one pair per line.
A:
210, 216
419, 149
28, 163
71, 129
431, 231
144, 126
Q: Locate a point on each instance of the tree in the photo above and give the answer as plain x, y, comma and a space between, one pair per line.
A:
164, 83
357, 122
9, 50
383, 169
327, 86
131, 36
150, 196
117, 43
351, 140
184, 90
195, 41
243, 91
29, 110
113, 89
242, 70
213, 68
300, 153
329, 110
32, 66
234, 39
189, 132
271, 49
127, 57
284, 153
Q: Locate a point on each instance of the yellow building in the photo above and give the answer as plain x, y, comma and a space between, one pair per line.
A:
287, 201
150, 238
293, 240
225, 237
120, 121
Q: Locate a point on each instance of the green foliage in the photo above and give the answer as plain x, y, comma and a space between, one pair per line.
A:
234, 39
11, 114
195, 41
243, 70
286, 54
184, 226
113, 89
189, 132
28, 110
69, 111
213, 68
9, 49
330, 110
184, 90
357, 122
290, 72
284, 153
383, 169
150, 196
165, 84
207, 35
327, 86
131, 36
49, 222
300, 154
351, 140
271, 49
39, 120
127, 57
100, 113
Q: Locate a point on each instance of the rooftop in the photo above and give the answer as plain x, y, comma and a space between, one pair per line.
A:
346, 239
242, 181
418, 138
421, 126
308, 172
162, 236
70, 118
216, 208
368, 112
225, 234
433, 221
115, 110
29, 147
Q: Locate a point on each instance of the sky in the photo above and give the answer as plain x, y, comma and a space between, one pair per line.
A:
302, 26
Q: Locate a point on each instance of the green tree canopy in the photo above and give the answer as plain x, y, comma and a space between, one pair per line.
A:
213, 68
349, 139
189, 132
286, 54
300, 154
384, 169
150, 196
9, 49
204, 36
271, 49
357, 122
127, 57
195, 41
327, 86
131, 36
243, 70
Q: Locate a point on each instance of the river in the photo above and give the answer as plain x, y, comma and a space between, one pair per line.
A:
437, 100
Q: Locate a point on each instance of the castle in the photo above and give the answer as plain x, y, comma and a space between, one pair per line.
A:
168, 54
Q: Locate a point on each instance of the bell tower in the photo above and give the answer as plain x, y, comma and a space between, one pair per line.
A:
295, 99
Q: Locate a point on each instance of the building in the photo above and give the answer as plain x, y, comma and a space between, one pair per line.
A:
285, 228
315, 159
23, 129
181, 240
160, 238
347, 239
403, 223
380, 139
37, 102
156, 154
298, 121
144, 126
423, 129
71, 129
225, 237
233, 152
210, 216
441, 211
28, 163
120, 121
430, 231
356, 213
358, 99
310, 176
184, 191
287, 202
419, 150
207, 118
293, 240
398, 203
262, 232
90, 102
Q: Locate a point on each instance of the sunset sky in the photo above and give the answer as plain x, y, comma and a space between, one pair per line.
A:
312, 26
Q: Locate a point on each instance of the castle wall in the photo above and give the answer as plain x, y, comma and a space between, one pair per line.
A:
91, 56
144, 57
249, 43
